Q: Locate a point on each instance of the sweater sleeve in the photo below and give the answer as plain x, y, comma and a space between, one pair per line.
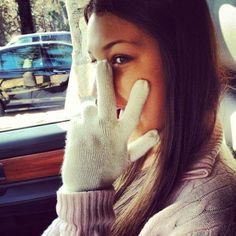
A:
83, 213
224, 229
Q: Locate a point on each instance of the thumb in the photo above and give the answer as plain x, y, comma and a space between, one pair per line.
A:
143, 144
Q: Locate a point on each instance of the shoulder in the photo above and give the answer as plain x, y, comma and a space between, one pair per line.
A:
200, 205
217, 190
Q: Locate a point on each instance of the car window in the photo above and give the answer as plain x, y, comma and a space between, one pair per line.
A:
227, 17
59, 55
8, 61
57, 37
22, 57
33, 84
35, 38
227, 21
29, 39
33, 75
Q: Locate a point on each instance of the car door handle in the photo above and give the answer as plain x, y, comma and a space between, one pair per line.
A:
59, 71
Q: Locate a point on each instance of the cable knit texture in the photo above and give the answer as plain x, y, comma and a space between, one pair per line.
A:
204, 203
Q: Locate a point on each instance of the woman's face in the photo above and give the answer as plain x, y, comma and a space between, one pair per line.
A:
133, 54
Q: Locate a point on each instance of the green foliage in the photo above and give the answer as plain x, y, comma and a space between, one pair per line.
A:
9, 20
48, 15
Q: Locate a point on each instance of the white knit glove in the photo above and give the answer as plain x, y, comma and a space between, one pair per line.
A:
96, 150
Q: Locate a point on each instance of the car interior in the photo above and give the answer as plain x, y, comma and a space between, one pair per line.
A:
31, 157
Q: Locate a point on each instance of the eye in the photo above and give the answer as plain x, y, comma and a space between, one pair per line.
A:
121, 59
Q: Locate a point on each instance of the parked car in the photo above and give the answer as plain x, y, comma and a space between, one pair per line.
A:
62, 36
34, 75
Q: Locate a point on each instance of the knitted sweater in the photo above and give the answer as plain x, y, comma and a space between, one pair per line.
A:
204, 202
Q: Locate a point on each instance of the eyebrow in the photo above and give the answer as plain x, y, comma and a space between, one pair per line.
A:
113, 43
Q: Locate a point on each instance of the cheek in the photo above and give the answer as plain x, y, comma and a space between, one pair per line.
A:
153, 115
123, 83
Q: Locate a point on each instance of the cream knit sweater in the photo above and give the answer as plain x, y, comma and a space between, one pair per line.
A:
204, 203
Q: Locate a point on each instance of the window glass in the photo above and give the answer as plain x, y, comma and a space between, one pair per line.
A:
34, 76
8, 61
35, 38
227, 27
28, 39
57, 37
59, 55
227, 17
22, 57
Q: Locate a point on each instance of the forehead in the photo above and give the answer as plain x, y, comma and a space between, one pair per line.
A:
106, 28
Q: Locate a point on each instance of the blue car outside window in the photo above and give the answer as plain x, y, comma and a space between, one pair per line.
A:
22, 57
59, 55
57, 37
8, 61
29, 39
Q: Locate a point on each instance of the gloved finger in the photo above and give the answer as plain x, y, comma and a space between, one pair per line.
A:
105, 91
142, 145
88, 110
131, 115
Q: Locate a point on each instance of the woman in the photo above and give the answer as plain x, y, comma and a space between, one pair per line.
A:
161, 57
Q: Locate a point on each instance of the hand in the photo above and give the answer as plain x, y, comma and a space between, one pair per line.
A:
96, 150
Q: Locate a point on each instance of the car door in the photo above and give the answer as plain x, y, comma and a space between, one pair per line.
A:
11, 77
20, 75
57, 63
30, 160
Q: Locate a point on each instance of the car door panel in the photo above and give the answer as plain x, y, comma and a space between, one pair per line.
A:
32, 166
30, 162
41, 138
28, 207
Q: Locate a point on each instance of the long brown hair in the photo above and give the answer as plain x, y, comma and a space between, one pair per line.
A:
185, 34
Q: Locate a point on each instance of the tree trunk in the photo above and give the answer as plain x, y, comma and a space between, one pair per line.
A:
2, 28
26, 19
